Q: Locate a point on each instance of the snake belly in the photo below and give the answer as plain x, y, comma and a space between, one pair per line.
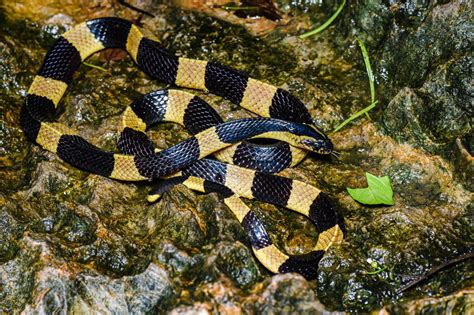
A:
48, 87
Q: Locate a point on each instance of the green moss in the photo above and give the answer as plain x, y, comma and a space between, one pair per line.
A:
78, 230
236, 262
116, 261
10, 234
17, 280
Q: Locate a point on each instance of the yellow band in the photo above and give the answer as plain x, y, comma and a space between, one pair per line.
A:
125, 169
84, 41
49, 88
258, 97
50, 133
191, 73
133, 42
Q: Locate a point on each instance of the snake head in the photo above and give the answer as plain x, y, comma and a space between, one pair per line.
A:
320, 146
315, 140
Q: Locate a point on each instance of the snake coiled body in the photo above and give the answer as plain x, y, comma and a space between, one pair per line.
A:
186, 161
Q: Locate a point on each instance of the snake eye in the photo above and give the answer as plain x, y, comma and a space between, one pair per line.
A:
318, 145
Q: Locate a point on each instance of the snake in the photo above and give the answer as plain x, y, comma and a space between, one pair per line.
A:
283, 118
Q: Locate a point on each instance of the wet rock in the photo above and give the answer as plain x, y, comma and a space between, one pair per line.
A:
288, 294
461, 155
53, 291
61, 291
199, 309
68, 226
402, 117
13, 82
179, 219
148, 292
407, 239
421, 55
116, 259
180, 263
17, 280
458, 303
98, 294
436, 113
220, 296
236, 262
10, 234
371, 20
449, 91
441, 35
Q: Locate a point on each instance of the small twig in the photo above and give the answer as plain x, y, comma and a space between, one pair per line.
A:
122, 2
435, 270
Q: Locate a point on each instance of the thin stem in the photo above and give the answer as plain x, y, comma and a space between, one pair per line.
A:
94, 66
370, 74
233, 8
354, 116
326, 24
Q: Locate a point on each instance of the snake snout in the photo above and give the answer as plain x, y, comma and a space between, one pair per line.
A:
320, 146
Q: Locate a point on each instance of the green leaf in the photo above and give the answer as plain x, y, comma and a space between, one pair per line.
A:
379, 191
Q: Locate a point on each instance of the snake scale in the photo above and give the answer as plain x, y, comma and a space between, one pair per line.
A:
284, 118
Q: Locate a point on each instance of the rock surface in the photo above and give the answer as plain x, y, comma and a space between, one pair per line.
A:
74, 242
